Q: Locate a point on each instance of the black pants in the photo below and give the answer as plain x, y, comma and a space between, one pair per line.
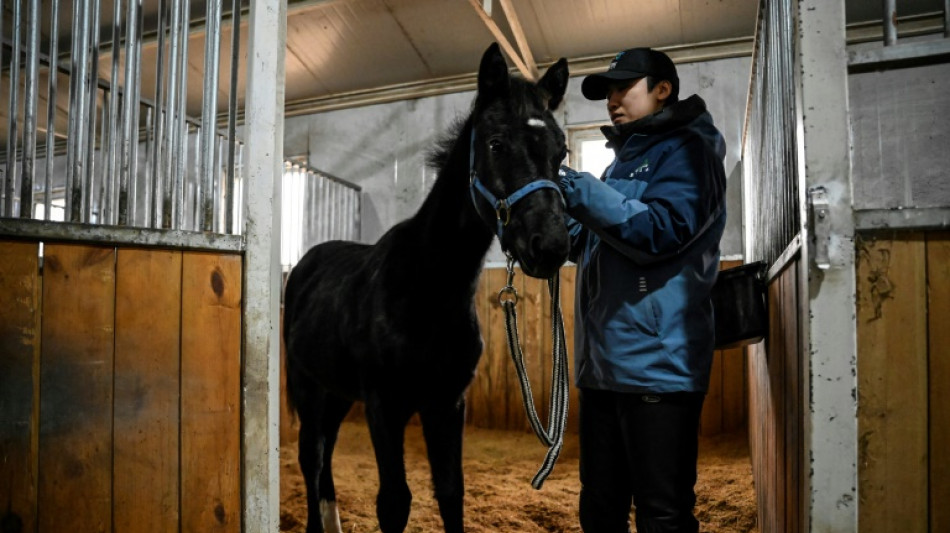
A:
641, 448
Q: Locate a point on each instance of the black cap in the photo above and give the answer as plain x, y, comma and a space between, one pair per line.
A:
633, 64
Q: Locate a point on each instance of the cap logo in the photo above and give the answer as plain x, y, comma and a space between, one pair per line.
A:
613, 64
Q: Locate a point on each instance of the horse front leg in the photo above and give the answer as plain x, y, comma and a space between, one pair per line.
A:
387, 421
442, 426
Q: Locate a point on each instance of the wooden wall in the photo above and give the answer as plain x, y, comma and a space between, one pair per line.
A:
494, 397
775, 409
904, 381
119, 389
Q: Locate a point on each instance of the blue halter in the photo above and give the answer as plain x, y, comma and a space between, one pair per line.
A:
502, 206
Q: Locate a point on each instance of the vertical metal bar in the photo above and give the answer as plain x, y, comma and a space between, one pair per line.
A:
149, 189
232, 112
3, 174
72, 148
129, 106
197, 179
158, 172
209, 106
220, 174
946, 18
170, 191
92, 92
110, 126
182, 109
890, 22
14, 106
27, 174
51, 106
79, 71
135, 92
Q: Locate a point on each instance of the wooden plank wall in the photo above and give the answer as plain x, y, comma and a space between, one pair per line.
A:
121, 368
775, 409
904, 381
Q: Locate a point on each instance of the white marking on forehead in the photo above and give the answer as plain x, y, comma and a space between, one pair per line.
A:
536, 123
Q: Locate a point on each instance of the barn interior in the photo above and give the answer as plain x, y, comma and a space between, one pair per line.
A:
224, 138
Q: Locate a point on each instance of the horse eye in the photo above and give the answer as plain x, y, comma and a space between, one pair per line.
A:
495, 145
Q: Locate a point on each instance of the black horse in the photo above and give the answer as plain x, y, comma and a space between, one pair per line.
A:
393, 324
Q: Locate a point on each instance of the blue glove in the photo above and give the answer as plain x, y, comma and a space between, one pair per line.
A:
566, 176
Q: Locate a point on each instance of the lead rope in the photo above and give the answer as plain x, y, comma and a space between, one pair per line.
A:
553, 437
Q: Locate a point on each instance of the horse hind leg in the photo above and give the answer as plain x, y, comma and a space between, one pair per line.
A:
320, 417
335, 411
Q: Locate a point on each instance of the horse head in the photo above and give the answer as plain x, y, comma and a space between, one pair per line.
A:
516, 150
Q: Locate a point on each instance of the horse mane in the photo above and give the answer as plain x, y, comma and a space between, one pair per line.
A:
438, 156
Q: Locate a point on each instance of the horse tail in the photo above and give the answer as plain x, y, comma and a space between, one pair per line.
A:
288, 306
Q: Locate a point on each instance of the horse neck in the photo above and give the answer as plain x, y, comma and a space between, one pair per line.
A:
447, 221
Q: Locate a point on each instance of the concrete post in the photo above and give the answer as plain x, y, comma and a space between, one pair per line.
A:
829, 329
264, 134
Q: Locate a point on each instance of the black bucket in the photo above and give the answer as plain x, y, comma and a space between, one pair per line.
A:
740, 305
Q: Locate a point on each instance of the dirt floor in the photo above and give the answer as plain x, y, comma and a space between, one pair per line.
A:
498, 469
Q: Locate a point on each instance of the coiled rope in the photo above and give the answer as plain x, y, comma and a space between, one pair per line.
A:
553, 436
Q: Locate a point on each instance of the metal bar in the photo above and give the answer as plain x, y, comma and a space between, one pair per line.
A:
27, 174
110, 126
51, 106
80, 71
170, 191
128, 109
100, 182
88, 202
149, 188
145, 237
72, 120
220, 225
946, 18
182, 111
209, 105
890, 22
3, 175
158, 171
232, 113
198, 181
135, 94
14, 105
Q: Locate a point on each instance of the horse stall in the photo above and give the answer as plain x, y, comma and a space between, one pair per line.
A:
846, 197
394, 180
138, 274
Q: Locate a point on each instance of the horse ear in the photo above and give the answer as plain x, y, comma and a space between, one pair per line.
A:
493, 73
554, 83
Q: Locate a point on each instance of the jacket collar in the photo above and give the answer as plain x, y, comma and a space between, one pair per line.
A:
663, 121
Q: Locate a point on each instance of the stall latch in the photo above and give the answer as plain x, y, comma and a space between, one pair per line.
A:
821, 225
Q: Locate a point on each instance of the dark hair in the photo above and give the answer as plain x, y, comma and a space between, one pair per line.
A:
672, 99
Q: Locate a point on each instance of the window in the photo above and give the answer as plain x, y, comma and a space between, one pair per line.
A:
589, 152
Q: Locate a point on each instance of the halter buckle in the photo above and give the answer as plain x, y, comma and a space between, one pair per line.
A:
503, 207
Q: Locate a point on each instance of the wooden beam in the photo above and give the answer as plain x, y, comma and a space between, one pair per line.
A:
518, 32
502, 40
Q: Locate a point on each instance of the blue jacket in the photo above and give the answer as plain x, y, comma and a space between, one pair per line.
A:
645, 238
